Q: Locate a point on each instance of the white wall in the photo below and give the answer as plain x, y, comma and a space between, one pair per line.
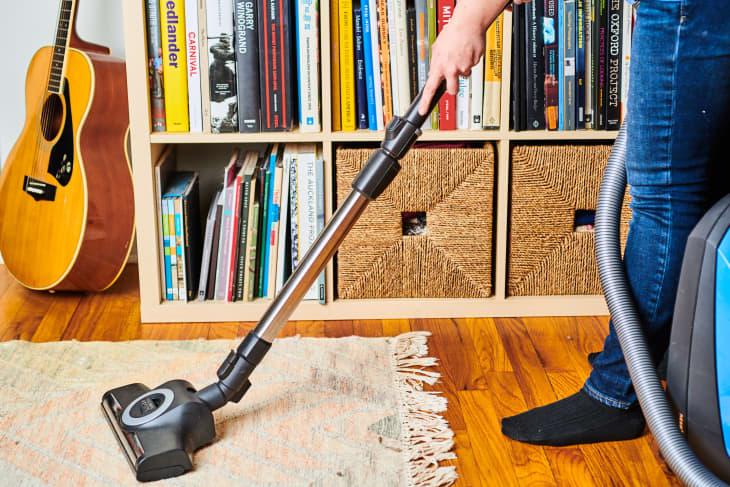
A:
27, 26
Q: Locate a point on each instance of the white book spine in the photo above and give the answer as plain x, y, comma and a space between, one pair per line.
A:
321, 292
195, 108
404, 88
462, 104
375, 45
207, 251
307, 205
308, 52
477, 94
393, 58
628, 15
283, 216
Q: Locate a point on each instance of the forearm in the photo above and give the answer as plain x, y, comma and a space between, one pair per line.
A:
483, 12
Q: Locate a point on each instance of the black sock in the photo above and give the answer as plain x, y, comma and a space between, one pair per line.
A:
574, 420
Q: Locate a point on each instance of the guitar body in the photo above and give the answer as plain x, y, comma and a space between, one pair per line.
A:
66, 200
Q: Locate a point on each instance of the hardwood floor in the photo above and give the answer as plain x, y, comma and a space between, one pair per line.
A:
490, 368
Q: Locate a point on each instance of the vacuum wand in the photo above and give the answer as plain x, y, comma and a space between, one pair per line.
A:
374, 177
159, 429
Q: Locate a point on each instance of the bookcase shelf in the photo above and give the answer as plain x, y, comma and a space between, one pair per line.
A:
147, 146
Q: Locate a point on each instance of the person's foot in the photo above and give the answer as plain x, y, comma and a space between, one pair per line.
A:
661, 369
577, 419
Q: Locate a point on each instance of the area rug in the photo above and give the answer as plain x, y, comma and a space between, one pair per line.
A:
321, 412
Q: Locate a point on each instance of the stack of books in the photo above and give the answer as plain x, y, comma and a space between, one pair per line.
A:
233, 66
266, 214
570, 64
380, 61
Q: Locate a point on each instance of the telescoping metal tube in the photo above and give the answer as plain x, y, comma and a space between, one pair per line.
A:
627, 323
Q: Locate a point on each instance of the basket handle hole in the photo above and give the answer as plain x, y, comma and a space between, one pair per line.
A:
585, 221
413, 222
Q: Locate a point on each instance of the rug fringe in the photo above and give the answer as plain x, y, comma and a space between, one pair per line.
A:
427, 438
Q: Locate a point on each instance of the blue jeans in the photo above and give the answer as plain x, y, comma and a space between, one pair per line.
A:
677, 163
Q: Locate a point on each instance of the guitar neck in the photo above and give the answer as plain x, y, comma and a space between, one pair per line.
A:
60, 46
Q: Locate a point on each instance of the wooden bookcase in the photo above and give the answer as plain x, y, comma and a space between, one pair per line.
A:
146, 147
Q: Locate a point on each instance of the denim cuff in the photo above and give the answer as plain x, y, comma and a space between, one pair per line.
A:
602, 398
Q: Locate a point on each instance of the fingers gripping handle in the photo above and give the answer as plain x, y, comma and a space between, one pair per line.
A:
400, 134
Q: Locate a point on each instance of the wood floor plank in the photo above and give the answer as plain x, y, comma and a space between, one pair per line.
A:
218, 331
57, 317
624, 463
6, 279
310, 328
465, 463
173, 331
21, 311
488, 344
368, 328
552, 338
288, 330
392, 328
338, 329
245, 326
569, 466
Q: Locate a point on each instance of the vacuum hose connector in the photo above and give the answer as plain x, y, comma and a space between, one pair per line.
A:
627, 323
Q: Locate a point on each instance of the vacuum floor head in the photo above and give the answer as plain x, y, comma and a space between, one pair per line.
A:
159, 429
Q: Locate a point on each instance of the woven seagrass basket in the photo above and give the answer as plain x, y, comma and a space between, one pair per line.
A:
549, 184
455, 189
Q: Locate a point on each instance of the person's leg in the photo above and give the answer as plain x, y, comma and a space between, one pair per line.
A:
677, 117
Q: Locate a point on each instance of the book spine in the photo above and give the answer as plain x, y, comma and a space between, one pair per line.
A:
569, 66
191, 233
561, 64
182, 284
335, 65
535, 74
276, 76
552, 81
247, 59
154, 66
195, 109
307, 22
307, 207
319, 181
204, 63
275, 226
174, 260
432, 33
222, 67
422, 50
281, 265
233, 244
375, 69
293, 213
521, 66
516, 68
347, 66
447, 104
628, 15
580, 65
251, 252
242, 238
601, 109
462, 104
491, 109
360, 84
224, 246
174, 62
385, 73
210, 292
394, 59
401, 46
263, 234
476, 81
165, 215
207, 251
614, 61
588, 20
412, 53
367, 42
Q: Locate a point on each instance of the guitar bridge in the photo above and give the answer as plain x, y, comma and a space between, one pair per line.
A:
39, 190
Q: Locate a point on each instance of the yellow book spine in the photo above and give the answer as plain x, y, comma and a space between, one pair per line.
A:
347, 66
335, 57
493, 75
174, 61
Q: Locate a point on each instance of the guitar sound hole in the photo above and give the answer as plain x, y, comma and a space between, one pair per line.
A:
52, 116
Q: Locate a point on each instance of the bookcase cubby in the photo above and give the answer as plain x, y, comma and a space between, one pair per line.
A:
147, 146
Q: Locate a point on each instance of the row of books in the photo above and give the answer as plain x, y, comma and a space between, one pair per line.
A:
233, 65
380, 61
265, 215
570, 64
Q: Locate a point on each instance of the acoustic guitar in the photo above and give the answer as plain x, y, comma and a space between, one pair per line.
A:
66, 202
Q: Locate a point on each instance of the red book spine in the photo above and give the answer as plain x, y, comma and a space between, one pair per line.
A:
447, 105
234, 240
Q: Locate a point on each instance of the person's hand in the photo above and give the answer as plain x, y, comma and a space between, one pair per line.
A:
460, 45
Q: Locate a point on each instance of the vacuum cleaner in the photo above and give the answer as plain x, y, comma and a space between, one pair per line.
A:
159, 429
692, 426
